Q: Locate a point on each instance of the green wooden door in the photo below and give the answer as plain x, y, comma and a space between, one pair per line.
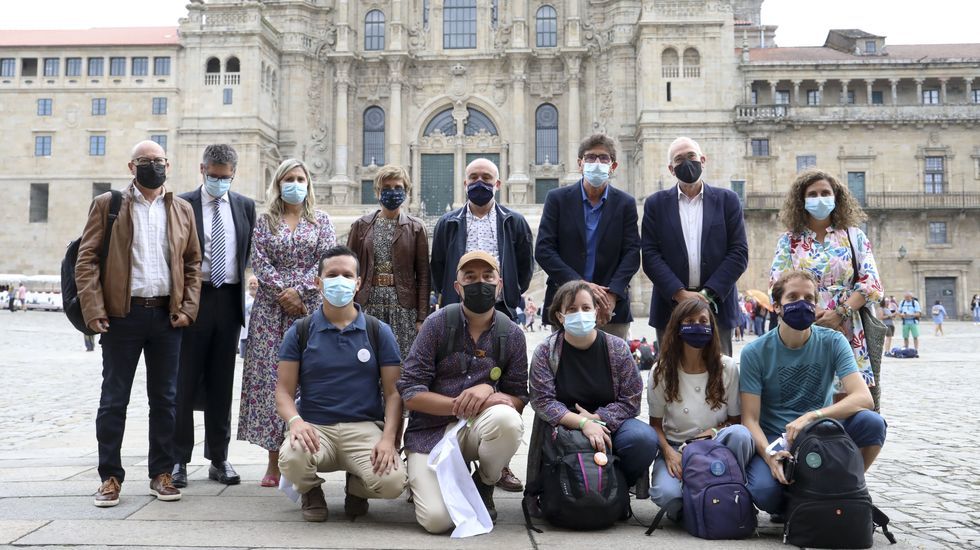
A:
437, 183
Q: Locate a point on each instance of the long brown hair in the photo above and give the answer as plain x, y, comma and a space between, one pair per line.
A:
672, 353
847, 212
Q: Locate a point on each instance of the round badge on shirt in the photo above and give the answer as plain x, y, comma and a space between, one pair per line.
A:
364, 355
495, 373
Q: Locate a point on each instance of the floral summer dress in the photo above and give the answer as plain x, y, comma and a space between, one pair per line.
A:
383, 300
831, 262
285, 259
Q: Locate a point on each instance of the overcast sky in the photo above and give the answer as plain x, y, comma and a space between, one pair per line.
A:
801, 23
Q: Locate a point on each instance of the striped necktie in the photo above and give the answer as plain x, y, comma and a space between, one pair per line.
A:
217, 246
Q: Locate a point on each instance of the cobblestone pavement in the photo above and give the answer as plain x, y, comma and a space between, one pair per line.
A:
925, 479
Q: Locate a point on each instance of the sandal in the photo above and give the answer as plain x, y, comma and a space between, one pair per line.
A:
269, 481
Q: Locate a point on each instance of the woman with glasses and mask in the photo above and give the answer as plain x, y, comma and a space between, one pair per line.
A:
392, 250
823, 236
596, 388
287, 244
692, 393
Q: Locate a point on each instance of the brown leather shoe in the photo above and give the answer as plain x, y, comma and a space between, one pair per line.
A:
163, 488
509, 482
108, 494
354, 506
314, 505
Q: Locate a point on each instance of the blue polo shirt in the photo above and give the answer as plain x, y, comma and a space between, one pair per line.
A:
338, 374
592, 216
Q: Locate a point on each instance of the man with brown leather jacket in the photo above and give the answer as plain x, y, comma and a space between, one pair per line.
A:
139, 299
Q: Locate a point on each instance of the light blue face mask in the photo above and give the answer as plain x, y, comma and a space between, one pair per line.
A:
596, 173
292, 192
820, 207
580, 323
216, 187
339, 291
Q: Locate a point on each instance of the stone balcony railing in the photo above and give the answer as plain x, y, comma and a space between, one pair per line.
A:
857, 114
881, 201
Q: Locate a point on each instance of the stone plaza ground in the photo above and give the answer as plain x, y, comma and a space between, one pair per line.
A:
925, 479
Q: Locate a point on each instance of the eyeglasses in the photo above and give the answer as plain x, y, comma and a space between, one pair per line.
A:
604, 159
146, 161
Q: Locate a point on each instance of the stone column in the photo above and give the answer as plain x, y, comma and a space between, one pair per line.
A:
518, 156
894, 83
942, 90
918, 90
341, 140
573, 25
573, 110
393, 127
748, 93
343, 26
820, 84
843, 91
772, 91
969, 90
459, 159
518, 32
796, 91
869, 84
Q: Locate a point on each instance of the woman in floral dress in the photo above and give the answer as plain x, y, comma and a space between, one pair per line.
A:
286, 248
393, 251
822, 217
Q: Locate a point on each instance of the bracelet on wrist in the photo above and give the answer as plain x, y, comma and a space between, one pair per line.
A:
819, 414
293, 419
714, 432
581, 423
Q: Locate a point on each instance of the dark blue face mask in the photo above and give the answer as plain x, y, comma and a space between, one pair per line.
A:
799, 315
696, 335
392, 198
479, 193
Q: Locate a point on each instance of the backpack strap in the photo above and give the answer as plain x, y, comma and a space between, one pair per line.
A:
374, 336
115, 203
881, 520
303, 327
527, 515
673, 508
501, 329
449, 344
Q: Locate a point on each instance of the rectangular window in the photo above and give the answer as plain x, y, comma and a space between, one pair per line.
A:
73, 66
813, 97
877, 98
96, 66
850, 97
161, 66
8, 67
117, 66
755, 97
159, 105
976, 96
98, 106
28, 66
141, 66
96, 146
760, 147
935, 174
367, 192
782, 97
51, 65
930, 97
160, 139
44, 107
39, 203
738, 187
42, 146
855, 184
870, 46
937, 233
459, 24
805, 161
226, 96
99, 188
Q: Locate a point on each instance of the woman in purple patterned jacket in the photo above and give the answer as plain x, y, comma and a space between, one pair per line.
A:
594, 385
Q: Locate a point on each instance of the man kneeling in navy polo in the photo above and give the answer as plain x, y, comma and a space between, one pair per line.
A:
339, 422
786, 382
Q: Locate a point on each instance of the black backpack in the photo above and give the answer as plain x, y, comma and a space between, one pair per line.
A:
69, 290
454, 324
828, 503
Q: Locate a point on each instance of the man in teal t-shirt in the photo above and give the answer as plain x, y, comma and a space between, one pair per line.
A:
786, 382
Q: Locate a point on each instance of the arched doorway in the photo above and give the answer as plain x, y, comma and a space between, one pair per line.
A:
451, 139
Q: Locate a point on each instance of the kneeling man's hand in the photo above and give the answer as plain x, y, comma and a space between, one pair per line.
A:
303, 434
794, 428
469, 403
497, 399
384, 457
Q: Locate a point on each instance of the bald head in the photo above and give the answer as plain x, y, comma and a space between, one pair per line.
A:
148, 148
482, 169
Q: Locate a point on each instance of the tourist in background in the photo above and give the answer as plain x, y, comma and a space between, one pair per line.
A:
288, 243
886, 311
975, 308
938, 316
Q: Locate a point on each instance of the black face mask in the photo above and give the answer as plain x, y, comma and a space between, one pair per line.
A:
151, 175
479, 297
688, 171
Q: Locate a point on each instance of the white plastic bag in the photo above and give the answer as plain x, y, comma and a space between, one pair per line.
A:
459, 493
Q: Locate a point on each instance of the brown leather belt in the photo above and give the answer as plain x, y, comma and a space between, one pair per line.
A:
156, 301
384, 279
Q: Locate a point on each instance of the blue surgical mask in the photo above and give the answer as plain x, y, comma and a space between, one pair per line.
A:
799, 315
820, 207
696, 335
479, 192
580, 323
217, 187
596, 173
339, 291
292, 192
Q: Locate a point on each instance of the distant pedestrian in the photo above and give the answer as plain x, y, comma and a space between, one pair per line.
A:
938, 316
89, 342
759, 319
910, 311
887, 311
975, 308
11, 299
22, 296
530, 310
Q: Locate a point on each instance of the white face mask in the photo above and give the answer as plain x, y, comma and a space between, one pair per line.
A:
596, 173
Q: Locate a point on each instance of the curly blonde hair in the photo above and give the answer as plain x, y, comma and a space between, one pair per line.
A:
847, 212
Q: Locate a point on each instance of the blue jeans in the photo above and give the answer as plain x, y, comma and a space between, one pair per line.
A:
866, 428
635, 444
665, 487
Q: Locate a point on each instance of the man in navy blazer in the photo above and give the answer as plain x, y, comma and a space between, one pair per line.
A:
589, 231
225, 221
694, 244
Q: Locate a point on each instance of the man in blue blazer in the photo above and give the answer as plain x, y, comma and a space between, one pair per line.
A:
589, 231
694, 244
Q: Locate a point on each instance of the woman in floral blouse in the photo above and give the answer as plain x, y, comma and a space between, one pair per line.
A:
822, 217
594, 386
288, 242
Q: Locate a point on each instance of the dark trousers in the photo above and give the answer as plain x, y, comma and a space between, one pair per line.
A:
207, 364
147, 331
